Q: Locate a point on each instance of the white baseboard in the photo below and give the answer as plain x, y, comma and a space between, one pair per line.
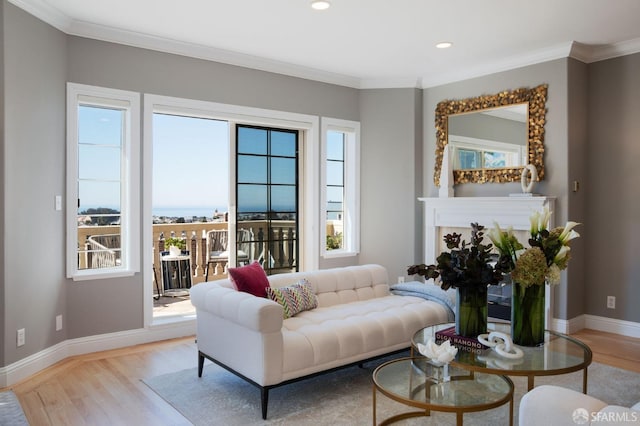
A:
568, 326
32, 364
594, 322
610, 325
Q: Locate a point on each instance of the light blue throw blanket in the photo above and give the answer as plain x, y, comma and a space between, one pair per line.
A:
430, 292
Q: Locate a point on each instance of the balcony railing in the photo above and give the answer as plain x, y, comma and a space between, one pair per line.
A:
276, 252
102, 251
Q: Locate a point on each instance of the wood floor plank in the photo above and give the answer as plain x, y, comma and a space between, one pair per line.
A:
612, 349
106, 388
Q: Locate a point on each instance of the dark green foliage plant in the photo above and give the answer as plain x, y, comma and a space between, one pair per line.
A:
465, 264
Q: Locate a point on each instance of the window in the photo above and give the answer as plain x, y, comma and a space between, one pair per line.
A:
340, 183
473, 153
267, 196
103, 143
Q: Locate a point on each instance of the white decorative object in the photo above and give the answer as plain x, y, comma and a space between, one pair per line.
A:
502, 344
446, 175
527, 182
174, 251
438, 354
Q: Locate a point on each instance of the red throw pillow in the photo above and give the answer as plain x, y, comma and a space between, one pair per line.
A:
250, 279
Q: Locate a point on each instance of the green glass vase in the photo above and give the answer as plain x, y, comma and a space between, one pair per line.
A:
527, 314
471, 311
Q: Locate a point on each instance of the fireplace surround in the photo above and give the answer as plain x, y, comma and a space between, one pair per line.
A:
459, 212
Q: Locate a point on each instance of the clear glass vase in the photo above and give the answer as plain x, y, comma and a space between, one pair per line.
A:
527, 314
471, 311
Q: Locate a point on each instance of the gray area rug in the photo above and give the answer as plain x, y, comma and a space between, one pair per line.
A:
11, 413
345, 397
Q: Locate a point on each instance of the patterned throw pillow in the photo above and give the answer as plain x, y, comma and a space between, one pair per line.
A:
295, 298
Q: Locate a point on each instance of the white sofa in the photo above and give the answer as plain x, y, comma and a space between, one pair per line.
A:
556, 406
357, 319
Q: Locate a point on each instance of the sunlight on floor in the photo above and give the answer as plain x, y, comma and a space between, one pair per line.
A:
173, 306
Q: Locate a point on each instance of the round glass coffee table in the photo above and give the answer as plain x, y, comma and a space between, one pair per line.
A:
559, 354
417, 383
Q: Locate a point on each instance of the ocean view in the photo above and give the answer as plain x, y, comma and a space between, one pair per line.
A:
186, 212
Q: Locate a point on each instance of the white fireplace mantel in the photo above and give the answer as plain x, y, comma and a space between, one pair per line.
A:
460, 212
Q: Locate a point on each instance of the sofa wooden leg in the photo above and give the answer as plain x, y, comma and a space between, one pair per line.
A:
200, 363
264, 397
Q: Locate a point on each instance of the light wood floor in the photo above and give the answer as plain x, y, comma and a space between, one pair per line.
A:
105, 388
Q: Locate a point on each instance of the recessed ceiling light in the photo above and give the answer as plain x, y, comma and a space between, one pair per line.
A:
320, 4
444, 45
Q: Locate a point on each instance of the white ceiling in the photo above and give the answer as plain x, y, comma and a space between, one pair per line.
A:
360, 43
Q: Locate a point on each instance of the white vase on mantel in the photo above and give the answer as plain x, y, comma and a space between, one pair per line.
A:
446, 175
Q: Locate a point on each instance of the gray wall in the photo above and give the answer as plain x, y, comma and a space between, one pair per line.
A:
577, 200
34, 158
146, 71
612, 266
3, 328
391, 131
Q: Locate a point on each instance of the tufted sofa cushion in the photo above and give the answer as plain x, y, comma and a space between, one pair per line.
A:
357, 318
333, 335
340, 285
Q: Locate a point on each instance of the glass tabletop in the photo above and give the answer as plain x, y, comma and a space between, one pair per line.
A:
559, 354
414, 381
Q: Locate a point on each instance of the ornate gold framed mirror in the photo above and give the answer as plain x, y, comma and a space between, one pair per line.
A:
530, 104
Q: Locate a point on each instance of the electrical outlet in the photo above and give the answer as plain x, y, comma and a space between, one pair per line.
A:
400, 280
58, 322
611, 302
21, 337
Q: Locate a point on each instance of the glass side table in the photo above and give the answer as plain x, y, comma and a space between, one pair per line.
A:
560, 354
417, 383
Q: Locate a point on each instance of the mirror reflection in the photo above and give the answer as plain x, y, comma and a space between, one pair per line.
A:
485, 150
489, 139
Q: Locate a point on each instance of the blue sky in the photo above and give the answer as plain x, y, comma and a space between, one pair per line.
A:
190, 162
99, 133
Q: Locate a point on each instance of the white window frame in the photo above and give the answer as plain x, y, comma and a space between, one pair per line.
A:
79, 94
351, 202
307, 125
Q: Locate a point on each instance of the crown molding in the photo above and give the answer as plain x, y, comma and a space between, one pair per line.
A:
161, 44
45, 12
610, 51
390, 83
582, 52
506, 64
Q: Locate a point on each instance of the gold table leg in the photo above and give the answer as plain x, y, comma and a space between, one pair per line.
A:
511, 411
374, 405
